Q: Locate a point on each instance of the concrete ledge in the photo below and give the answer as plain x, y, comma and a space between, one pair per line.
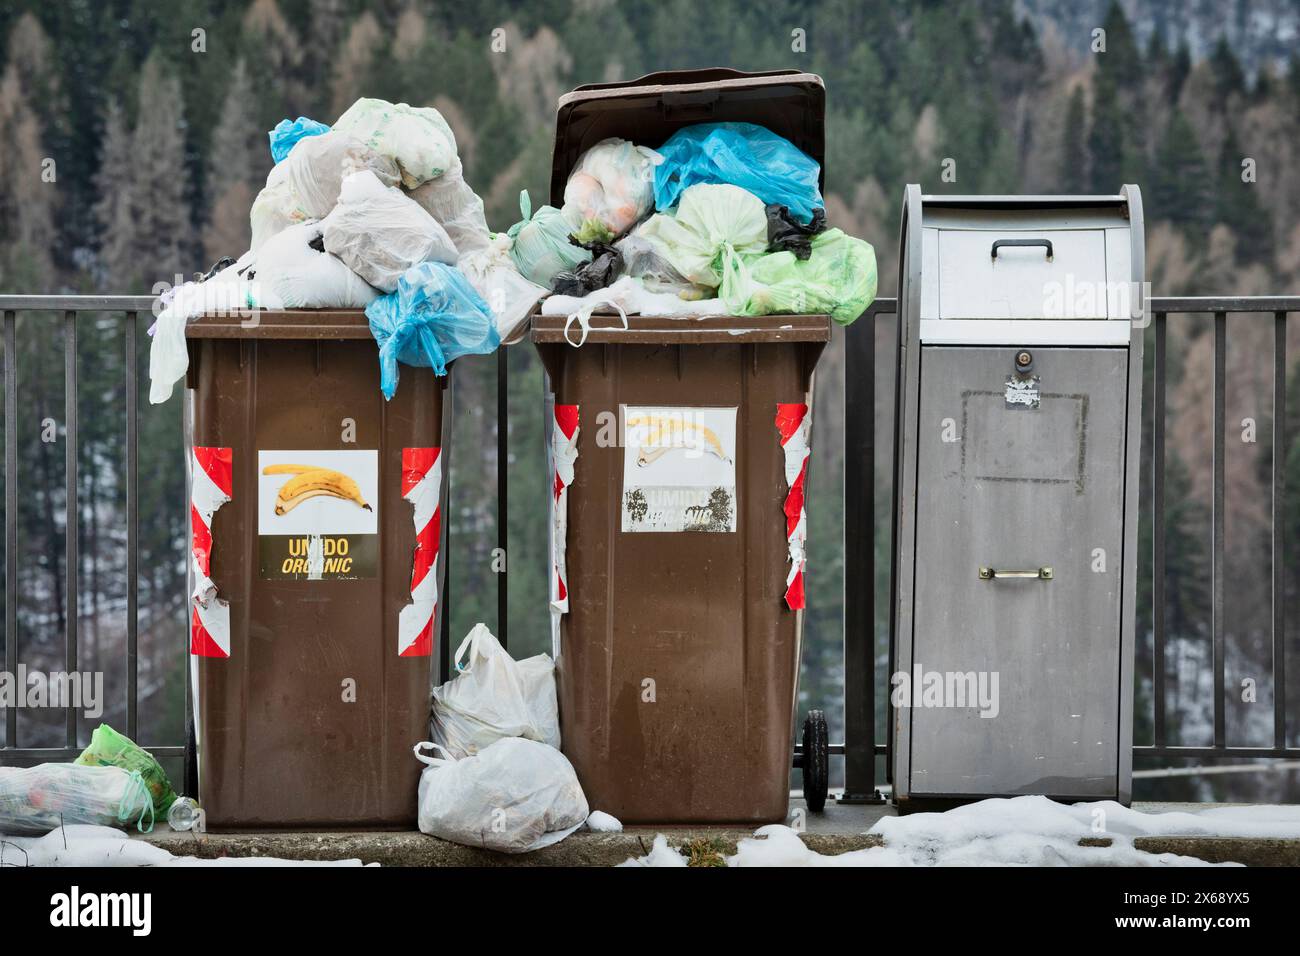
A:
417, 849
840, 829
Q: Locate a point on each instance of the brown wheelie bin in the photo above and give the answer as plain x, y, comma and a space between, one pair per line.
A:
678, 651
313, 621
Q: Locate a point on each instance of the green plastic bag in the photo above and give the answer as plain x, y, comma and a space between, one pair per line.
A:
108, 748
839, 278
715, 226
540, 244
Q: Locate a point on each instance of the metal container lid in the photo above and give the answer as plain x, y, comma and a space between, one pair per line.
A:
649, 110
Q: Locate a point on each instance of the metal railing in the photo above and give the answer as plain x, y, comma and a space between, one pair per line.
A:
862, 680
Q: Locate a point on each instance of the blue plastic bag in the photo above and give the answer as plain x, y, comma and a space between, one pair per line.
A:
432, 318
288, 132
745, 155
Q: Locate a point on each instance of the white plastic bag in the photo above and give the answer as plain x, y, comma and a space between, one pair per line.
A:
511, 297
379, 232
494, 696
611, 188
292, 273
459, 210
418, 139
316, 167
517, 795
36, 800
276, 208
227, 292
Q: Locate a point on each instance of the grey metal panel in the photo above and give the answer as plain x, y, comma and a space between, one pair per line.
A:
906, 395
1021, 488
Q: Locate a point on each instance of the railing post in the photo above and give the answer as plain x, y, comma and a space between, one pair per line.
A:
11, 515
859, 561
1158, 672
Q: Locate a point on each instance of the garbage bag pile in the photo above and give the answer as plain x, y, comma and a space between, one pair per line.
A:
114, 783
727, 217
355, 216
500, 781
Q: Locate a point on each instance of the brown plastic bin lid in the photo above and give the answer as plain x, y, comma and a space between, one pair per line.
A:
649, 110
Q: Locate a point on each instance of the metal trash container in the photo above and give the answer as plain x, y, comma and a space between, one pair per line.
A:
676, 607
313, 613
1019, 395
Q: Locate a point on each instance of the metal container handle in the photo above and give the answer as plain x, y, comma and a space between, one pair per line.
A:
1046, 243
991, 574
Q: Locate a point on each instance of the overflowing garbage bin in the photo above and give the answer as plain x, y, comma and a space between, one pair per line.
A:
1019, 437
315, 509
679, 448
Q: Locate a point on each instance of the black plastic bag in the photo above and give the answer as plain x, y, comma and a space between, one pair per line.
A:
601, 271
784, 232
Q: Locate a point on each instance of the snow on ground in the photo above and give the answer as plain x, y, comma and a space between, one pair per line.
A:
81, 845
1019, 831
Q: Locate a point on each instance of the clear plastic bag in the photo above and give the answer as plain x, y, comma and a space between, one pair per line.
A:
417, 139
36, 800
509, 295
515, 796
713, 226
449, 199
316, 168
610, 189
540, 243
494, 696
432, 318
745, 155
379, 232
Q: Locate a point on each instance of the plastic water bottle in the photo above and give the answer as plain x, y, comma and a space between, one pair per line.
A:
183, 813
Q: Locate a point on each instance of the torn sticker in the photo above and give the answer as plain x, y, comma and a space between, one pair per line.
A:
1023, 392
794, 425
679, 468
422, 487
211, 486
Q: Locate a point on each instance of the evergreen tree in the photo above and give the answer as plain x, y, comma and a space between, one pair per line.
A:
163, 248
1180, 182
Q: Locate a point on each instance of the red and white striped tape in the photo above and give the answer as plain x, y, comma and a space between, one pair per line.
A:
793, 422
564, 452
422, 487
211, 486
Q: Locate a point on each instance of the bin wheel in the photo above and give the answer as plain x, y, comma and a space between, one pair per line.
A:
191, 760
816, 761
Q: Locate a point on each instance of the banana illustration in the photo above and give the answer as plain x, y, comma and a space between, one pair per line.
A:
657, 427
312, 482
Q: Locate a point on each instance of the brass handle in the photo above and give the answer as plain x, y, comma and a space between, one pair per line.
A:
989, 574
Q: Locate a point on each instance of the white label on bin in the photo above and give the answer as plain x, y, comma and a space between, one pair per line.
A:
318, 514
679, 468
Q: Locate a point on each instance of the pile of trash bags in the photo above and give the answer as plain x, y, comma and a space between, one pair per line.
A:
726, 218
114, 783
370, 213
374, 213
494, 775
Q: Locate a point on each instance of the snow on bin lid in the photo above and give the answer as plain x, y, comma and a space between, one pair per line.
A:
649, 110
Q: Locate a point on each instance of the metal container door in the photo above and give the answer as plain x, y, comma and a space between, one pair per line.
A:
1016, 660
